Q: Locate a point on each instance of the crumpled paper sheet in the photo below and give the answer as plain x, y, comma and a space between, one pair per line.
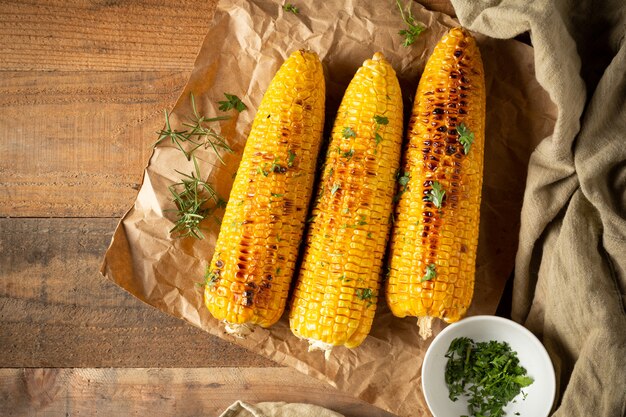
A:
244, 47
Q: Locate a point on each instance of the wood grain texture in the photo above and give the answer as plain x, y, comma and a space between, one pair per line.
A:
75, 144
102, 35
56, 310
203, 392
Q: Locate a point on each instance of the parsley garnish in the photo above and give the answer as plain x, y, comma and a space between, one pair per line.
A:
348, 154
466, 138
403, 180
381, 120
415, 27
289, 7
436, 194
430, 273
378, 138
277, 195
365, 294
488, 373
290, 158
232, 102
347, 132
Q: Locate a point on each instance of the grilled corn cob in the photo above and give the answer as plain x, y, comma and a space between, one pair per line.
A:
337, 289
248, 279
433, 246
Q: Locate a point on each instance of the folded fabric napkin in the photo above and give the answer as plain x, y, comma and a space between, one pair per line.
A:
277, 409
570, 280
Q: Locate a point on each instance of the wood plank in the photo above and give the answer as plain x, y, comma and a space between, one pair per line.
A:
75, 143
56, 35
202, 392
56, 310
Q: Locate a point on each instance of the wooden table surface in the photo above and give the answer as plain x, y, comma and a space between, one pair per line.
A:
83, 85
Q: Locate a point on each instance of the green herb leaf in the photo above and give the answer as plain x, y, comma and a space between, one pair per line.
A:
347, 132
414, 27
436, 194
430, 273
466, 138
277, 195
291, 157
361, 221
335, 188
364, 293
378, 138
381, 120
232, 102
288, 7
403, 181
348, 154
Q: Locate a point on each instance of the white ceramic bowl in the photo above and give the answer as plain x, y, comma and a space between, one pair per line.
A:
530, 351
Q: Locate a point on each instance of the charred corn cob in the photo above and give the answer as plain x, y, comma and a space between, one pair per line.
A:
248, 279
434, 240
337, 289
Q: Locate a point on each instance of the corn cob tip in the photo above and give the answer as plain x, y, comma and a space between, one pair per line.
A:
378, 56
319, 345
425, 326
240, 331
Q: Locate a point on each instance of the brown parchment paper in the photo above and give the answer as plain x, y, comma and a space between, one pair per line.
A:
245, 45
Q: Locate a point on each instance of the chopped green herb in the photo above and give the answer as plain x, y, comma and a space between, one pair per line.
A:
277, 195
348, 154
310, 219
288, 7
414, 27
436, 194
260, 170
430, 273
369, 235
232, 102
278, 271
378, 138
365, 294
335, 188
331, 171
290, 158
361, 221
381, 120
488, 373
347, 132
466, 138
403, 181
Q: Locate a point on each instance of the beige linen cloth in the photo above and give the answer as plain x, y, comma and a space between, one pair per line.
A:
570, 272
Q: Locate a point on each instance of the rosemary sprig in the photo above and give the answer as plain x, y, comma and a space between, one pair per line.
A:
197, 134
414, 27
193, 197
